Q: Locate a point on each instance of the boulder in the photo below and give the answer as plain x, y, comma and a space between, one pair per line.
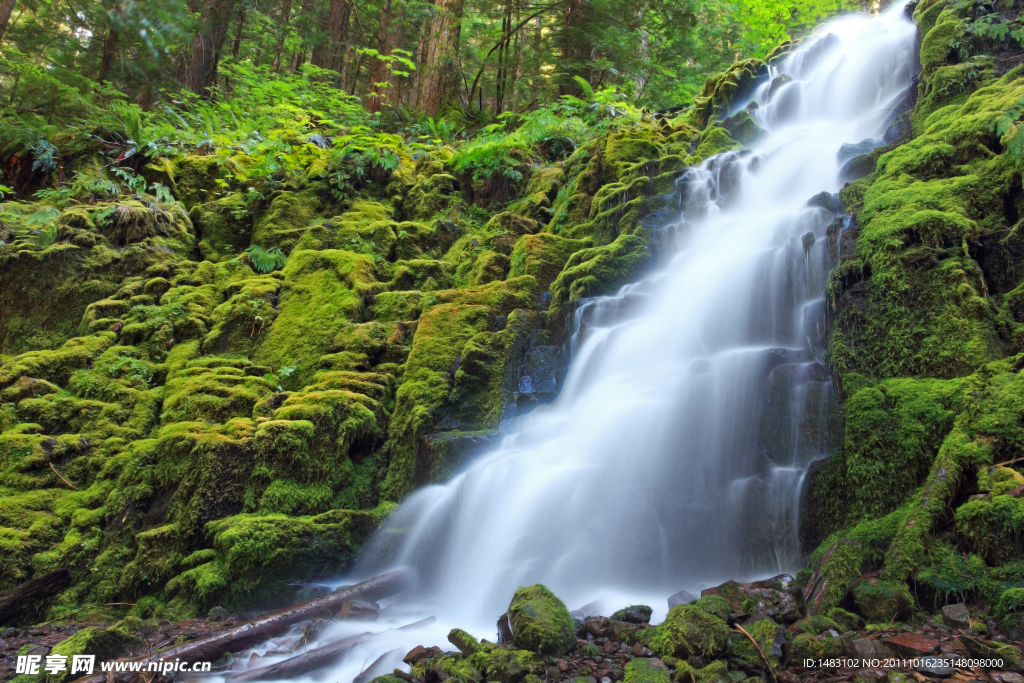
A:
956, 615
634, 614
689, 631
880, 601
540, 622
680, 598
646, 671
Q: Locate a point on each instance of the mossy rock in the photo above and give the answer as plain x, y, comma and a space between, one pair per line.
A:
769, 636
881, 601
642, 670
543, 256
689, 631
634, 614
104, 643
540, 622
714, 604
807, 646
286, 220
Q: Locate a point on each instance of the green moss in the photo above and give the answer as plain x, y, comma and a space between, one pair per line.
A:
104, 643
1010, 608
540, 622
543, 256
765, 632
714, 604
599, 270
286, 220
224, 226
807, 646
642, 671
689, 631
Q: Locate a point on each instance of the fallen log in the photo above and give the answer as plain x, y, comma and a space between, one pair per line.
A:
212, 647
312, 660
301, 664
14, 600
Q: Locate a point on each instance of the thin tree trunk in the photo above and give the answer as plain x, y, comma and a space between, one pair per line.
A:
286, 14
237, 46
199, 69
380, 74
109, 48
6, 7
440, 77
576, 46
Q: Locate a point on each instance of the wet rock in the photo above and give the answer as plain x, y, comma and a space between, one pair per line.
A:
597, 626
634, 614
827, 201
540, 622
681, 598
865, 648
912, 644
957, 615
217, 614
870, 675
420, 653
356, 610
849, 151
504, 630
857, 168
935, 666
1009, 677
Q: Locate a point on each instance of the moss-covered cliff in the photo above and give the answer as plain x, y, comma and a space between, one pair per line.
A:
223, 386
926, 340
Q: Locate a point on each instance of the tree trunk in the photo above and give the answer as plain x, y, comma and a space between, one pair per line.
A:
440, 77
576, 46
199, 71
238, 35
286, 13
331, 53
24, 595
109, 48
6, 7
380, 72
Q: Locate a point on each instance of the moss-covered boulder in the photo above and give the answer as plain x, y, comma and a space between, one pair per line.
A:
689, 631
646, 671
540, 622
881, 601
634, 614
104, 643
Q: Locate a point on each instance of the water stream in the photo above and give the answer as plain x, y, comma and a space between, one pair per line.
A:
696, 398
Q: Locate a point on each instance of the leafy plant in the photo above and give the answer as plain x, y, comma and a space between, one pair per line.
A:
265, 260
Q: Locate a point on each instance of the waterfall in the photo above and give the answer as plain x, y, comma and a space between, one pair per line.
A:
695, 399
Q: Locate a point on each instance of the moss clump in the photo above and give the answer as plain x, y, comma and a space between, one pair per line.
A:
543, 256
286, 219
769, 637
689, 631
104, 643
540, 622
644, 671
1010, 608
807, 646
714, 604
599, 270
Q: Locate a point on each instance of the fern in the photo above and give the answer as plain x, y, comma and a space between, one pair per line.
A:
44, 237
265, 260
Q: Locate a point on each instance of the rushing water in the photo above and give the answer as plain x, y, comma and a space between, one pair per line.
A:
695, 400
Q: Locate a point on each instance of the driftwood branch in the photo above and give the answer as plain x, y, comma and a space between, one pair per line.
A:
767, 664
212, 647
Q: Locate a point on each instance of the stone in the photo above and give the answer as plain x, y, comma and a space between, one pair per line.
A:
848, 151
634, 614
419, 653
597, 626
957, 615
681, 598
826, 200
540, 622
870, 675
865, 648
465, 643
1011, 677
878, 600
912, 644
217, 614
935, 666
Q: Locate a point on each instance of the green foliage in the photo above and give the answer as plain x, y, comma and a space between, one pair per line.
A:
265, 260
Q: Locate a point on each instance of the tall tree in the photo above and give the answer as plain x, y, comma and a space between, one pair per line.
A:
576, 45
6, 7
380, 71
439, 80
286, 15
330, 54
199, 68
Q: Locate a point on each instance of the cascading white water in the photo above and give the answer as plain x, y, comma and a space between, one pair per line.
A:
695, 399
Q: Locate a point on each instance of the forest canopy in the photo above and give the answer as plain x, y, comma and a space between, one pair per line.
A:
142, 68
